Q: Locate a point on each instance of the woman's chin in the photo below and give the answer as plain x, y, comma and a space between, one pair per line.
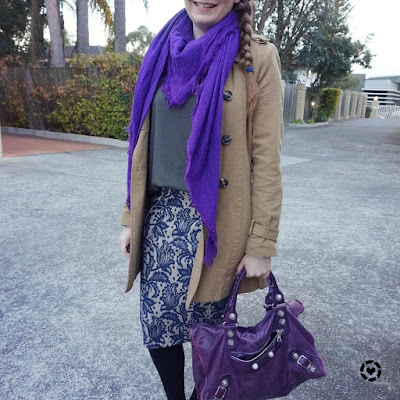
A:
203, 24
206, 17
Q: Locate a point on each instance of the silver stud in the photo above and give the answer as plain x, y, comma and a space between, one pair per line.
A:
231, 342
225, 383
295, 356
232, 316
278, 297
281, 313
255, 366
230, 333
271, 354
312, 369
282, 321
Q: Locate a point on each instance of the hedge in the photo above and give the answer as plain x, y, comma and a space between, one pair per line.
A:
96, 101
328, 101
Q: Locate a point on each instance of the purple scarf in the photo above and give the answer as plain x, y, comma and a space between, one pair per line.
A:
185, 67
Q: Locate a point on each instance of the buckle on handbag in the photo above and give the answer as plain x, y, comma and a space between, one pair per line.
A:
220, 393
302, 359
275, 306
236, 324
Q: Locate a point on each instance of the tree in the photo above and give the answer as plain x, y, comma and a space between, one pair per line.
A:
349, 82
331, 56
263, 9
119, 27
82, 18
13, 23
288, 22
312, 34
37, 23
140, 40
328, 50
56, 38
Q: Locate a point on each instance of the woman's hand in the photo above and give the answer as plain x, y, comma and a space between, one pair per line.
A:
255, 266
125, 239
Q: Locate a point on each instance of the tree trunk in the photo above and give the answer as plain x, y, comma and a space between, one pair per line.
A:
56, 39
280, 26
337, 7
266, 12
82, 9
119, 27
62, 25
35, 31
35, 119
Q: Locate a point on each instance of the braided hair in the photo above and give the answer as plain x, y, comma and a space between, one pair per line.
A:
244, 9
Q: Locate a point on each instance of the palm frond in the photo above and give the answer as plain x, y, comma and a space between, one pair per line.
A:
104, 9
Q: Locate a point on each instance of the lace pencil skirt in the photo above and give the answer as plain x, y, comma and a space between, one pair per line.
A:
169, 242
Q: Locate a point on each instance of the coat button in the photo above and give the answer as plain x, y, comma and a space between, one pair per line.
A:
223, 183
228, 96
226, 139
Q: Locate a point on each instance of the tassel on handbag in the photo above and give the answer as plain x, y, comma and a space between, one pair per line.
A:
260, 362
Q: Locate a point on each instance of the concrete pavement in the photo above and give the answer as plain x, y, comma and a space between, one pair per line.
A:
68, 330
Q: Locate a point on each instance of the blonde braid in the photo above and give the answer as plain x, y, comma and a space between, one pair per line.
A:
244, 9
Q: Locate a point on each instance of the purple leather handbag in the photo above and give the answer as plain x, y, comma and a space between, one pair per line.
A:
260, 362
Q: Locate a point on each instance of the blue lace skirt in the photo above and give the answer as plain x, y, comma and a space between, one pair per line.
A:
170, 238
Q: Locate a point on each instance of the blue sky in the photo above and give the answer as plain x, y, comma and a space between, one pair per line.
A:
368, 16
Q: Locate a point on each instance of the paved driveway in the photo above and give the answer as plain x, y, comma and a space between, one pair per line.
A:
68, 330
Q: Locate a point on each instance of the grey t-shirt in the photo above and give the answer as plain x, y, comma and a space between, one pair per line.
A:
169, 131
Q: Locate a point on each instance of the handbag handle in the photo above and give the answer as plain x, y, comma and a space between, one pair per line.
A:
273, 298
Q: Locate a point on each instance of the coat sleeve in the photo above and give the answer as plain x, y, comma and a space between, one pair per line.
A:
267, 135
125, 216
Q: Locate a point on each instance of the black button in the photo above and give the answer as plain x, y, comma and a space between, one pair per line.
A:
228, 96
223, 183
226, 139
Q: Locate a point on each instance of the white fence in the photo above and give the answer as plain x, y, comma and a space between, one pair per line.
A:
389, 112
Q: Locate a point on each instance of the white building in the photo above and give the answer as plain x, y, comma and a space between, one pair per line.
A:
386, 88
305, 76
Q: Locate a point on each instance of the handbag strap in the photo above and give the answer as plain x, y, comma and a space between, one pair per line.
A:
273, 298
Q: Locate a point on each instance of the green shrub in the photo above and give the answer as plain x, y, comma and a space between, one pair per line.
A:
328, 100
298, 121
13, 107
97, 101
368, 112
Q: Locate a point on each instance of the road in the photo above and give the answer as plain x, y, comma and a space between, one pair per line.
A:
68, 330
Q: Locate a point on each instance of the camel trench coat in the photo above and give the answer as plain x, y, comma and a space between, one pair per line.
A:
249, 206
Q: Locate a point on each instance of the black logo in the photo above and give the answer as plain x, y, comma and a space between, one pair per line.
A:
371, 370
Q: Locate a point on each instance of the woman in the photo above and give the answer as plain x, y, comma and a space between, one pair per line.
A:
204, 179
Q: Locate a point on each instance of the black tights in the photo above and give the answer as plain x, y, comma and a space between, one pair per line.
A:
170, 363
